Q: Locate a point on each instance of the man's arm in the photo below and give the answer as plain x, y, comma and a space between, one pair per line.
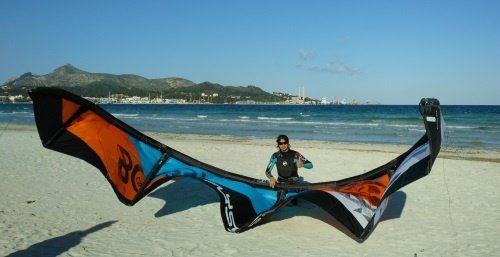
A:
269, 175
303, 162
270, 166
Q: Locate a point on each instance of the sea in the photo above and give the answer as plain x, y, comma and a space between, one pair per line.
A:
467, 126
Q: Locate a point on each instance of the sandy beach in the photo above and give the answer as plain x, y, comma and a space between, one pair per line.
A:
56, 205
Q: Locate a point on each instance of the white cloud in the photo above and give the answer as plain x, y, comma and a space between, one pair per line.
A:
306, 55
307, 62
335, 67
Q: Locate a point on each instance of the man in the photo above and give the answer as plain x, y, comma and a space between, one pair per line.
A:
287, 162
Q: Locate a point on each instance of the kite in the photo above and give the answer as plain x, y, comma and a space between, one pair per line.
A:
135, 165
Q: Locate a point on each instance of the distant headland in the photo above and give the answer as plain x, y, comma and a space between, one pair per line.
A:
129, 88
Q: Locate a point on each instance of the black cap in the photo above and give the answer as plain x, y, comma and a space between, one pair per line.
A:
282, 137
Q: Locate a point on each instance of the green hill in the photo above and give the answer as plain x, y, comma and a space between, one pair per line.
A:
102, 85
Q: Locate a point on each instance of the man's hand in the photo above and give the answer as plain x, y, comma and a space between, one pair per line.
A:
300, 164
272, 182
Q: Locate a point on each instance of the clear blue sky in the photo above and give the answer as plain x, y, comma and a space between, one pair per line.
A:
392, 52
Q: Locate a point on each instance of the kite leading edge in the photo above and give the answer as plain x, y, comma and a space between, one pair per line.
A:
135, 164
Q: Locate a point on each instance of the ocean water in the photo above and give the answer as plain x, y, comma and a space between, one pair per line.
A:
467, 126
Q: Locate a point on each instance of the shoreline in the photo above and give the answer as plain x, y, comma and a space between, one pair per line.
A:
452, 153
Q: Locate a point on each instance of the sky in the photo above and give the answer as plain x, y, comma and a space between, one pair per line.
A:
389, 52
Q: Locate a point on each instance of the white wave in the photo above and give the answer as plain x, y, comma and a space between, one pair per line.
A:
125, 115
461, 127
403, 125
273, 118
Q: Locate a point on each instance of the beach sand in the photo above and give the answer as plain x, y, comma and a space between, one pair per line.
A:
52, 204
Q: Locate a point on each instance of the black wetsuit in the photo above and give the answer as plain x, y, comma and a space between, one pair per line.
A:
286, 164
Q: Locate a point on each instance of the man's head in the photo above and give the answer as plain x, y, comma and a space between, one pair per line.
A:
283, 143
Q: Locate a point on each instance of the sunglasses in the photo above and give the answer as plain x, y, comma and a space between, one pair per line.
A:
282, 143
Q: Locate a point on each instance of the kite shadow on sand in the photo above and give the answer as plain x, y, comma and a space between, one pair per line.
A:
59, 245
183, 194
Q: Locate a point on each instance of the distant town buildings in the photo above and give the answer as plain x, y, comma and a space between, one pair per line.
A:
203, 98
302, 99
12, 99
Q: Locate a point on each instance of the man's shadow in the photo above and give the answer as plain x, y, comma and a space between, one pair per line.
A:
59, 245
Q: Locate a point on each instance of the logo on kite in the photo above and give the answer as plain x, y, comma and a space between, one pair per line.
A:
228, 207
128, 171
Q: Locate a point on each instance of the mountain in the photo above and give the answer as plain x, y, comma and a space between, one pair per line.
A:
68, 76
102, 84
